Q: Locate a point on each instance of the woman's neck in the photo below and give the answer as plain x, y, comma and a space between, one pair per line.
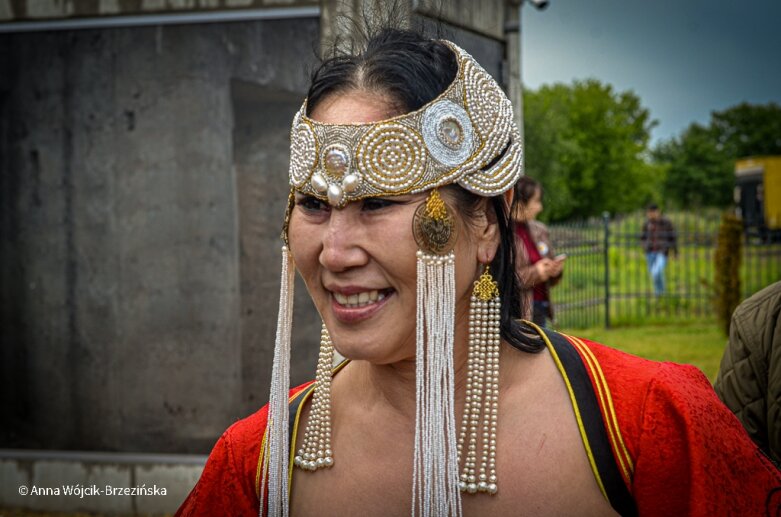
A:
394, 385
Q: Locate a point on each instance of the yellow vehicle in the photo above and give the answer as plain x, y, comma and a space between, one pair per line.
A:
758, 194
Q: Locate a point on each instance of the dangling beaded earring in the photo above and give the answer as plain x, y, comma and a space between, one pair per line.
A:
435, 462
275, 450
315, 451
482, 389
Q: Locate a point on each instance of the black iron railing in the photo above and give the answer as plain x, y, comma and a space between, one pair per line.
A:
607, 279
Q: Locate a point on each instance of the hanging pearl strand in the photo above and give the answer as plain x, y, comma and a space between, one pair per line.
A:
482, 389
315, 451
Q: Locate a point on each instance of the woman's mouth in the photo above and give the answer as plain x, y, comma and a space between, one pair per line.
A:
359, 299
357, 306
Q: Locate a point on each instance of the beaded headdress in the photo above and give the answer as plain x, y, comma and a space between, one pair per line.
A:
467, 135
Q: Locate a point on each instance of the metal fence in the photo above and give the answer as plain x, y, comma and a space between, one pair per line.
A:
606, 280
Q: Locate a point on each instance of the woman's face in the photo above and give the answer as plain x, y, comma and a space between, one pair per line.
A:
359, 262
530, 210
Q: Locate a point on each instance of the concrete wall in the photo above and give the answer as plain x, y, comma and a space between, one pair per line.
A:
143, 179
125, 214
485, 17
26, 10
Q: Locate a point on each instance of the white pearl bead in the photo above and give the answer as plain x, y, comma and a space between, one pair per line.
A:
335, 195
319, 183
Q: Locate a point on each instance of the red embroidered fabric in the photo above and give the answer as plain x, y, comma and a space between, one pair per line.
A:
691, 456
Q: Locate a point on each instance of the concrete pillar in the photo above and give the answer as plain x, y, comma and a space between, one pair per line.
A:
121, 231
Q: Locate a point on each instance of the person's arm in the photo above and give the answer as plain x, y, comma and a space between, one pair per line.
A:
644, 233
557, 270
694, 457
530, 274
673, 238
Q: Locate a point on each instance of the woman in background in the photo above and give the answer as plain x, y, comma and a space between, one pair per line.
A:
539, 268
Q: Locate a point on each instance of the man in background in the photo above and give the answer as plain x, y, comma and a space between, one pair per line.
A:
658, 240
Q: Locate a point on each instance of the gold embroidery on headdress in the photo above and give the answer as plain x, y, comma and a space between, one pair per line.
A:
467, 135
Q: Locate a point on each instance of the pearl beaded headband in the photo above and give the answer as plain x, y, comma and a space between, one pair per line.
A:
466, 135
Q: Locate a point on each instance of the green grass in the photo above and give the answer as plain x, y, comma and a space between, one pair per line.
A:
700, 343
581, 293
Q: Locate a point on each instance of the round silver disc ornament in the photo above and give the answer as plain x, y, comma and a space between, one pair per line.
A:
448, 133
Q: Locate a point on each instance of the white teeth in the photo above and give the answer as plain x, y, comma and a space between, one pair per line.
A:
360, 299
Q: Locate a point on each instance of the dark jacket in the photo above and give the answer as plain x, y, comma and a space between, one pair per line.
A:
659, 235
749, 380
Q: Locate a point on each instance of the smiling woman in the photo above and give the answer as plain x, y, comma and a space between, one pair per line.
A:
403, 159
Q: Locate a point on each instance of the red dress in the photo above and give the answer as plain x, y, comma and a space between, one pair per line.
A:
658, 439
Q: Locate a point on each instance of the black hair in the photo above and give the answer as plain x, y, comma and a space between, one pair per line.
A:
526, 188
503, 267
652, 206
411, 71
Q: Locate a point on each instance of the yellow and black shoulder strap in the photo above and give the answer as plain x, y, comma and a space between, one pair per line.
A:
295, 405
607, 454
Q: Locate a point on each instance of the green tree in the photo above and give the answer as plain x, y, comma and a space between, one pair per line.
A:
748, 129
698, 172
700, 163
587, 145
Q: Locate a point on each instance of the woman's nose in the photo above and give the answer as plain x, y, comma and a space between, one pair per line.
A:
341, 243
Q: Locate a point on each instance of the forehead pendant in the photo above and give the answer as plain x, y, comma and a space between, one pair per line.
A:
336, 164
336, 160
433, 226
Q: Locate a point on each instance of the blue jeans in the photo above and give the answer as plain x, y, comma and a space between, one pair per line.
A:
656, 264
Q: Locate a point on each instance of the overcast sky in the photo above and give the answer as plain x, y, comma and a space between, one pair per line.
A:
683, 58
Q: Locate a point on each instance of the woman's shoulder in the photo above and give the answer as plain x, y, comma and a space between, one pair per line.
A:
688, 449
638, 391
244, 436
538, 229
633, 380
227, 484
631, 371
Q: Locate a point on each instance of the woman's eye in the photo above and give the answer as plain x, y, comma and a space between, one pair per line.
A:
311, 204
374, 203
